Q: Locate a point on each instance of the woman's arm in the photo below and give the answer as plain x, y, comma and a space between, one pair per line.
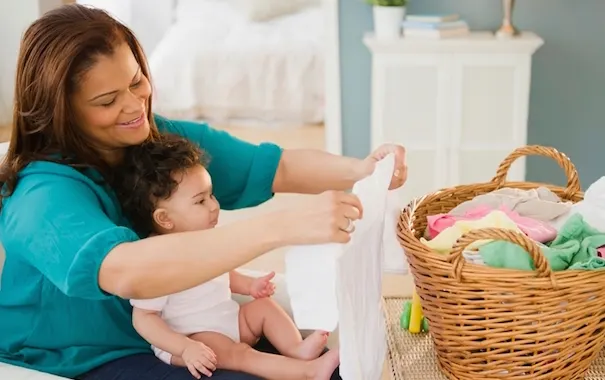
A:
61, 227
170, 263
183, 260
313, 171
256, 172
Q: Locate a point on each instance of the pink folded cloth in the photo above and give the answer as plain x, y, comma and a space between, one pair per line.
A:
601, 251
538, 230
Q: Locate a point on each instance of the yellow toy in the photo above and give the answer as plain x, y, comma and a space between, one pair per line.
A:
415, 314
412, 318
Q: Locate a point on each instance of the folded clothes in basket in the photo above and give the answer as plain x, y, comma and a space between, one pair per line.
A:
535, 229
540, 204
575, 247
560, 230
443, 242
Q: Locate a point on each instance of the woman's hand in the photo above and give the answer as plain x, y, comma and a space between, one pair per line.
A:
400, 172
323, 218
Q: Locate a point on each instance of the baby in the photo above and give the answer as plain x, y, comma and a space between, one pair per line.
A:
164, 188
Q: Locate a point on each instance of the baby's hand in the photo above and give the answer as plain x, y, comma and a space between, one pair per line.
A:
263, 287
199, 358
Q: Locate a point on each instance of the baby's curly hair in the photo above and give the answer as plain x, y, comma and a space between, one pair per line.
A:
147, 175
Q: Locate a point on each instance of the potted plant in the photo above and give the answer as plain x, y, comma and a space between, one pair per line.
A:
388, 16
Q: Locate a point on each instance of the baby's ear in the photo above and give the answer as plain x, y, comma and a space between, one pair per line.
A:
162, 219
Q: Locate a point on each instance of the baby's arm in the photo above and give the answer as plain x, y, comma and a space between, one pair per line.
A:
154, 330
240, 283
196, 356
249, 286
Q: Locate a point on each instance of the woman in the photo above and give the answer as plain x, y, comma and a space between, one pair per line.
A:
82, 95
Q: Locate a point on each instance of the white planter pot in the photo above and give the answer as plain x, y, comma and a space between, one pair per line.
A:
387, 21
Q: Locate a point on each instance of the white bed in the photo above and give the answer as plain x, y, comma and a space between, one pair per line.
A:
217, 64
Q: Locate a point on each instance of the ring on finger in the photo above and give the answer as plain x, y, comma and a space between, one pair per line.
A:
350, 227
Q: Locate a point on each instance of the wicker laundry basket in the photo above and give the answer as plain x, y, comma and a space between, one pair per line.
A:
491, 323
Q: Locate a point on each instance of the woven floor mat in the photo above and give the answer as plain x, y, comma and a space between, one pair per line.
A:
411, 356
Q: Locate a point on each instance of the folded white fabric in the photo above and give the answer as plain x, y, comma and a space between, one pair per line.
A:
592, 208
394, 255
341, 284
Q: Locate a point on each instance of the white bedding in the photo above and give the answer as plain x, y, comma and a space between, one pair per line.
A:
216, 64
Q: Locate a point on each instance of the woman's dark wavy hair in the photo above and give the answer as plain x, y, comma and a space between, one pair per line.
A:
148, 173
56, 50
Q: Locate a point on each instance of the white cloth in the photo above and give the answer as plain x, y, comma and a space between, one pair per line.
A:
540, 203
394, 255
206, 307
341, 284
592, 208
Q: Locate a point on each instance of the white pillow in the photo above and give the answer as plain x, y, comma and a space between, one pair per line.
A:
264, 10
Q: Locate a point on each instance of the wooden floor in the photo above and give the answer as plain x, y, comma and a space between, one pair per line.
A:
303, 137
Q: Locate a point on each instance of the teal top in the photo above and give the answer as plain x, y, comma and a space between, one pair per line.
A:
57, 228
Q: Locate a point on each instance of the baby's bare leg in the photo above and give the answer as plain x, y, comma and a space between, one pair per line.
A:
264, 316
241, 357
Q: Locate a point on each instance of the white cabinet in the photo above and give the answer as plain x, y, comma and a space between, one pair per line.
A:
458, 105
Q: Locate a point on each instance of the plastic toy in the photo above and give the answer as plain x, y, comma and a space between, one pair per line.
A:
411, 316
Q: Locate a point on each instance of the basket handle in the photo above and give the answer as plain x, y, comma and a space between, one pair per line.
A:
456, 257
573, 182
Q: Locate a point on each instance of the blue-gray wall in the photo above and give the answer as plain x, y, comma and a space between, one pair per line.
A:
567, 106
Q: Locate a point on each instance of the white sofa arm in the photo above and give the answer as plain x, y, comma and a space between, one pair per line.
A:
10, 372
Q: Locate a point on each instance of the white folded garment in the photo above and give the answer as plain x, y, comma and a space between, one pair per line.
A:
394, 255
341, 284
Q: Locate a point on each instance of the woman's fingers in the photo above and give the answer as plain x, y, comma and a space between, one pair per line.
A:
350, 212
342, 237
400, 176
346, 224
351, 200
400, 171
325, 218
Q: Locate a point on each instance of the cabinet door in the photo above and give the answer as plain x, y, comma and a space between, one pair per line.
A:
489, 106
410, 107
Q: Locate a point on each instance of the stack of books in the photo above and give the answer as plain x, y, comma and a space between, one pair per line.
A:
434, 26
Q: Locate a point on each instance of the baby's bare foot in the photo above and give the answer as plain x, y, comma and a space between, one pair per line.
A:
312, 346
323, 367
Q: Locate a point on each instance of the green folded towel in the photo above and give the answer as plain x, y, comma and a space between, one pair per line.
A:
593, 263
575, 247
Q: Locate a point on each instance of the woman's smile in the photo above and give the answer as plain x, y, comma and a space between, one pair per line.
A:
137, 122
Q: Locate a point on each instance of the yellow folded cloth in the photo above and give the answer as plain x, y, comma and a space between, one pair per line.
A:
443, 242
